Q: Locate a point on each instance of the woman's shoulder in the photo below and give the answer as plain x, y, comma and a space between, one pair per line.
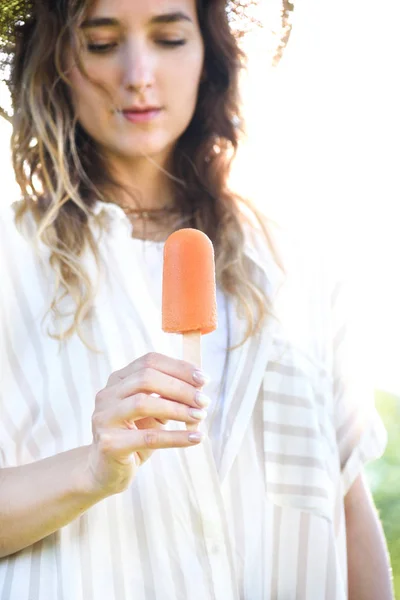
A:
304, 258
20, 233
7, 213
16, 239
310, 274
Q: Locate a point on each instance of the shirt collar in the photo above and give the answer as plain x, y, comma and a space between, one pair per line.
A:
263, 260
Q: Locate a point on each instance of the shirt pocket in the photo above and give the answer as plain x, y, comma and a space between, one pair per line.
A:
300, 453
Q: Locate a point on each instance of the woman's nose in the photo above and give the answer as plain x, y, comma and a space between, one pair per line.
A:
139, 67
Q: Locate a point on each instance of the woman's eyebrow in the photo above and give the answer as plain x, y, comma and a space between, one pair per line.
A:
173, 17
100, 22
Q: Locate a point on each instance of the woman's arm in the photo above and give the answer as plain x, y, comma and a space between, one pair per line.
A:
40, 498
368, 560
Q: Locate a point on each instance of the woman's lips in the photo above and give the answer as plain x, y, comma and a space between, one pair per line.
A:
143, 116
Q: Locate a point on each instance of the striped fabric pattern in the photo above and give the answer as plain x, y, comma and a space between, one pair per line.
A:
255, 512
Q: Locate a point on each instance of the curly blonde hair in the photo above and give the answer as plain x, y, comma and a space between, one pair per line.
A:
61, 174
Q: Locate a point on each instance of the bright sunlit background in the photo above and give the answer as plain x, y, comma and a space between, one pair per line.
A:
323, 154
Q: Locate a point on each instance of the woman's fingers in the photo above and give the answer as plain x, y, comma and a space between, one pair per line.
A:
156, 374
127, 422
149, 423
122, 443
150, 380
141, 406
179, 369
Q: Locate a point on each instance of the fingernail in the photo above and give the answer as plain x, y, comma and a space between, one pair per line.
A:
195, 437
201, 378
202, 400
200, 415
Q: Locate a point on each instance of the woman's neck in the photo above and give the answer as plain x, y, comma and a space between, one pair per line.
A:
144, 184
145, 191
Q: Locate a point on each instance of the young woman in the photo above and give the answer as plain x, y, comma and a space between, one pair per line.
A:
125, 123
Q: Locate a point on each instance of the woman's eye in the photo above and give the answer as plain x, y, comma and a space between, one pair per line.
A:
172, 43
105, 48
101, 48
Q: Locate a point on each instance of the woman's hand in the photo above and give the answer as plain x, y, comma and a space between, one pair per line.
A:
39, 498
130, 413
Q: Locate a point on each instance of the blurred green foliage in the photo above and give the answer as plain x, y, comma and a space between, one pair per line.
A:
384, 477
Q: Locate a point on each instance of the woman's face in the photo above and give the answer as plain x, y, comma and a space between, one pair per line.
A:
149, 55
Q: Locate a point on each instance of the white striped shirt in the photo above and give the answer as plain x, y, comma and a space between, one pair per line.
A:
255, 512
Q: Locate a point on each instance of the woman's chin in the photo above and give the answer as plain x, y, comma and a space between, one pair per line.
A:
136, 149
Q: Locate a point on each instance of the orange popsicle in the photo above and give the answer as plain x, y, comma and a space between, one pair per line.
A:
189, 302
189, 297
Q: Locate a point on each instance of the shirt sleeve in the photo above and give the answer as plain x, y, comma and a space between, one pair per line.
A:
360, 434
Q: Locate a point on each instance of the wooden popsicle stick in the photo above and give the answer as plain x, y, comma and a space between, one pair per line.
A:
192, 353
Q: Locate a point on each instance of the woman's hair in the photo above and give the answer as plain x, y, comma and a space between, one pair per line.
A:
61, 174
